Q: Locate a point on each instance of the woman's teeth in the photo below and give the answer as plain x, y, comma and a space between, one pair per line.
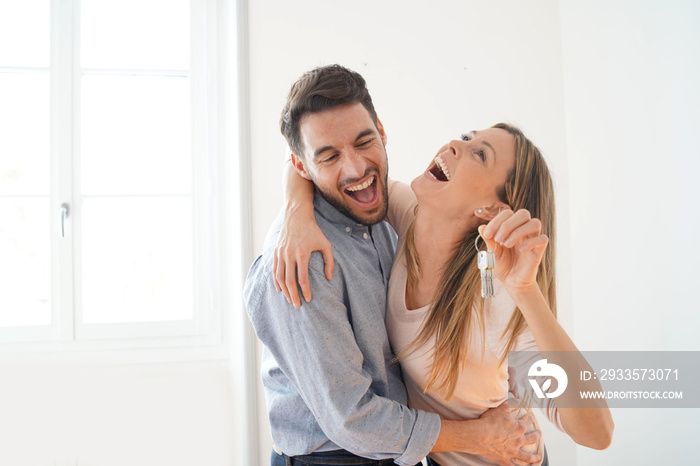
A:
443, 167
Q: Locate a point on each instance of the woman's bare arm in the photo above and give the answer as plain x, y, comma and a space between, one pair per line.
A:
299, 237
519, 246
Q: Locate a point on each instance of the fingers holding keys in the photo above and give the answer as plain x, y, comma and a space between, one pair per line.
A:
508, 227
522, 245
530, 244
490, 242
531, 227
494, 225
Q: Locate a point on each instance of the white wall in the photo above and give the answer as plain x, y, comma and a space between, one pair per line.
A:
631, 74
61, 414
435, 70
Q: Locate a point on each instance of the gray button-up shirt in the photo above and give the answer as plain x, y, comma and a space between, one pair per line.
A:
326, 372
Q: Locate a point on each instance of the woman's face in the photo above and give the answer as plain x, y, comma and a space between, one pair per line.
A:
466, 174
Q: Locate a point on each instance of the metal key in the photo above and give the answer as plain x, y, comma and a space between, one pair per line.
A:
486, 262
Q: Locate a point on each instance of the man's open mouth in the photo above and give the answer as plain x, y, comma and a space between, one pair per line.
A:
365, 192
439, 170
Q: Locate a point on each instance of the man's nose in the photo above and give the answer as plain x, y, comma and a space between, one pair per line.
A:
355, 166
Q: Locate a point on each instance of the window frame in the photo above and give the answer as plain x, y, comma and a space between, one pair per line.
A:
217, 211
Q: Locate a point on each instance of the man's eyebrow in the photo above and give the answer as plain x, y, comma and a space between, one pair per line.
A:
321, 150
364, 133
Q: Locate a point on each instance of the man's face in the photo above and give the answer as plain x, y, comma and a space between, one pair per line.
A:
344, 156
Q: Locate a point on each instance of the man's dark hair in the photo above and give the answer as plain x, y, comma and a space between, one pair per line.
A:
321, 89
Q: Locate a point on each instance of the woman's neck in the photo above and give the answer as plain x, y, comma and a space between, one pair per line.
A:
435, 239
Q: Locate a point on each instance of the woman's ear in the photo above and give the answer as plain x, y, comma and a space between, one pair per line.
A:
299, 166
488, 213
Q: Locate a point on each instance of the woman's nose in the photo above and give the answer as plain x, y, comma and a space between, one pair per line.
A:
454, 147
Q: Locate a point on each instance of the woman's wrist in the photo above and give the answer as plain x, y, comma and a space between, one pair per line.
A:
523, 292
526, 296
298, 208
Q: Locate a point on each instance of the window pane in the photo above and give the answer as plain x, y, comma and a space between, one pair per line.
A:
24, 133
25, 264
25, 27
135, 34
135, 135
137, 260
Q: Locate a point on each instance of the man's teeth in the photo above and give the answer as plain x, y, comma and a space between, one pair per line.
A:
441, 164
362, 186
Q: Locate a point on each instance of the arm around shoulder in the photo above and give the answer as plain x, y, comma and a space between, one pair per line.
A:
298, 238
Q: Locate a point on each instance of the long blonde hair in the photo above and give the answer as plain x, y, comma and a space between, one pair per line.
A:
528, 186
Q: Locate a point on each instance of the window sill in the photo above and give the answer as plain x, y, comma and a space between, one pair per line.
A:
126, 351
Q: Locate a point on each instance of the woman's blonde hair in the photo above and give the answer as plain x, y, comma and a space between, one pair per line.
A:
528, 186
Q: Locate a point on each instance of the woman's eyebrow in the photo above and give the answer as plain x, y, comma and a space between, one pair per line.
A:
484, 142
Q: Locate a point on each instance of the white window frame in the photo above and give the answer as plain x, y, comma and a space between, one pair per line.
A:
218, 130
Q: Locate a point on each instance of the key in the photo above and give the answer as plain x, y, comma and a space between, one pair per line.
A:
486, 262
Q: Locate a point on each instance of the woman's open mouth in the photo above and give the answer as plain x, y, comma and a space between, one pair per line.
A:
438, 170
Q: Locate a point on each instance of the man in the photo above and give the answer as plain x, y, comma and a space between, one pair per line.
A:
333, 397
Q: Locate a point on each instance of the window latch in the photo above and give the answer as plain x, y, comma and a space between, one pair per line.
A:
65, 212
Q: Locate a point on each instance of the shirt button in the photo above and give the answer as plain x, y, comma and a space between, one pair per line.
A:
364, 235
347, 229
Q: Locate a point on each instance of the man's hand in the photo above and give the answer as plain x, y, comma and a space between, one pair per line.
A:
502, 437
498, 435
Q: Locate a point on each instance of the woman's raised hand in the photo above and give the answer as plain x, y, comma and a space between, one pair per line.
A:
518, 245
298, 238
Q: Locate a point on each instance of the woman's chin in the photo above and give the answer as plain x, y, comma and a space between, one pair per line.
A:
416, 183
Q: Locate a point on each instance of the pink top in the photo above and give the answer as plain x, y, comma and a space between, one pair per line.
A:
483, 381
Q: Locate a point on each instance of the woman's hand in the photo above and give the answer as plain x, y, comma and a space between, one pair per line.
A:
299, 237
518, 245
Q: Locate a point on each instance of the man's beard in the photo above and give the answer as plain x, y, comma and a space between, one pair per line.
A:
344, 206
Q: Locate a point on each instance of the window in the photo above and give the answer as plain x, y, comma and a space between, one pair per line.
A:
109, 184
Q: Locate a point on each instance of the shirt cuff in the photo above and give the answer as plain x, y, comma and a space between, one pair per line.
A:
422, 439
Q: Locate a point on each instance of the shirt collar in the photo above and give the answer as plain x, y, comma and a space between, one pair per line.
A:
333, 215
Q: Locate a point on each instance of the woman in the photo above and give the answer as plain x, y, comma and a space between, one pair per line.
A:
452, 344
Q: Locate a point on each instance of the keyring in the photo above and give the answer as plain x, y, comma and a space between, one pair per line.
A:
486, 261
476, 243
